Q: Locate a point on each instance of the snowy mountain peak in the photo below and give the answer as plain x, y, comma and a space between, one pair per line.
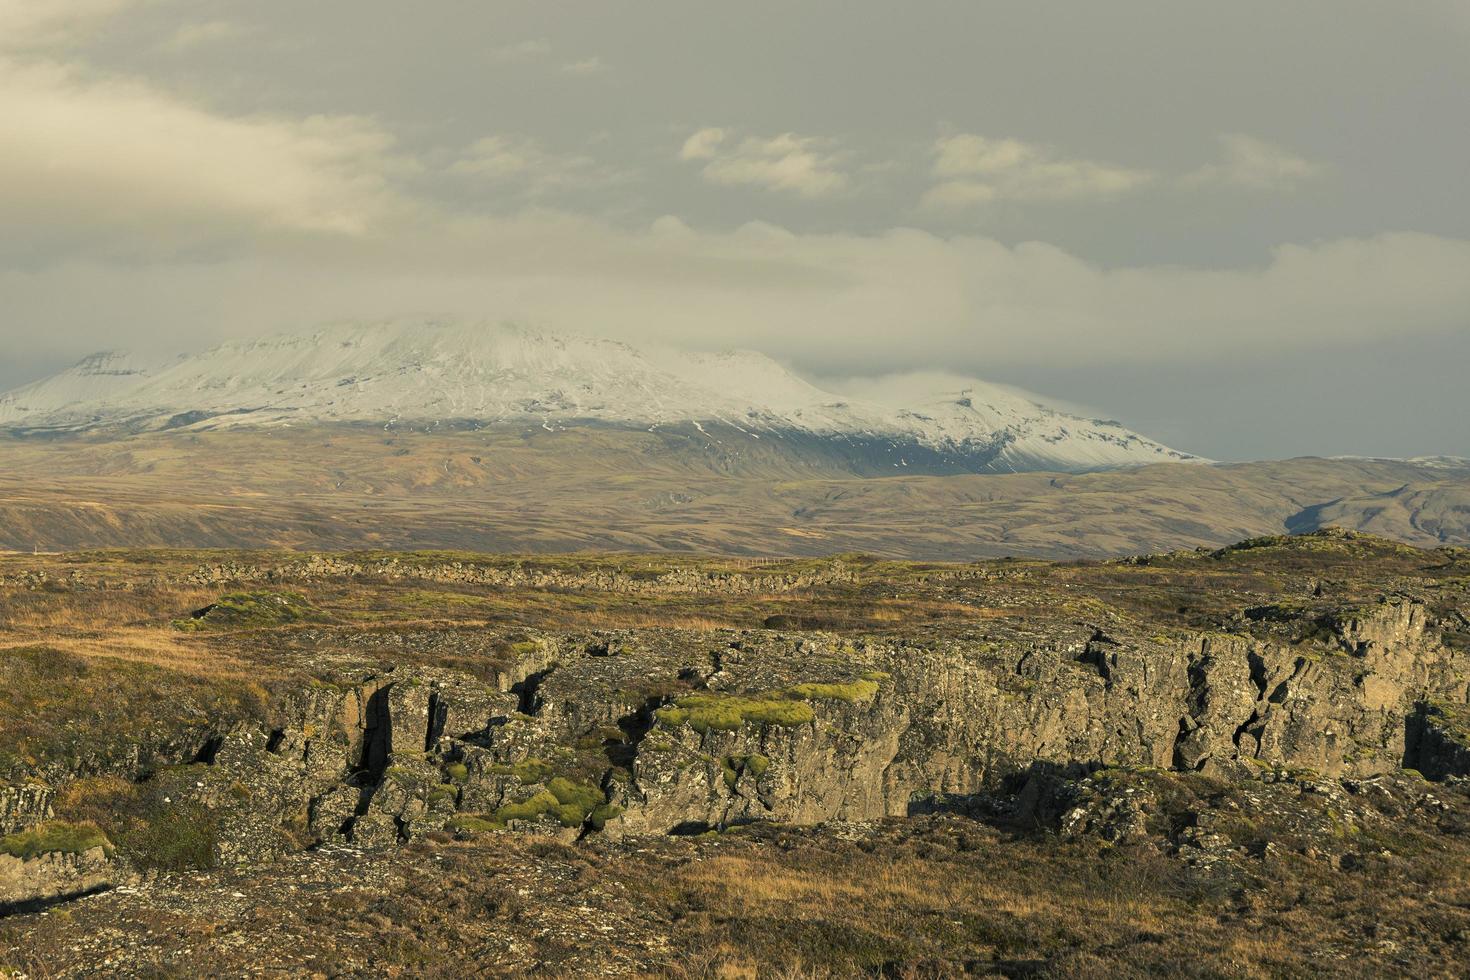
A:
417, 372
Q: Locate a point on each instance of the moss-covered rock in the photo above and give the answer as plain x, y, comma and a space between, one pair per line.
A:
248, 610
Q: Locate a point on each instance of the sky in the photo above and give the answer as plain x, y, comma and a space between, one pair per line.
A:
1242, 229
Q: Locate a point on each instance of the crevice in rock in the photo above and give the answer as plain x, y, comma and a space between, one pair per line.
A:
1253, 722
1095, 655
1257, 666
209, 750
635, 726
377, 746
528, 691
438, 718
1414, 730
1177, 760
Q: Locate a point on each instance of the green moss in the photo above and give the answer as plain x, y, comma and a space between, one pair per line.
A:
728, 712
239, 610
470, 823
528, 771
57, 837
457, 772
529, 809
706, 711
581, 795
672, 716
571, 803
600, 815
440, 794
734, 767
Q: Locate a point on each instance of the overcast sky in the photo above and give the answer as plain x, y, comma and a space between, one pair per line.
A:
1242, 228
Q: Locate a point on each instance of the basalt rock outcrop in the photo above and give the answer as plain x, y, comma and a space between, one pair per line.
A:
504, 575
659, 731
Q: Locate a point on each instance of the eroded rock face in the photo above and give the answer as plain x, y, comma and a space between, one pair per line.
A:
23, 806
58, 874
653, 731
957, 717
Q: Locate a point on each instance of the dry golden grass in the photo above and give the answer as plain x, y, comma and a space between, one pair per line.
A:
25, 611
159, 647
753, 886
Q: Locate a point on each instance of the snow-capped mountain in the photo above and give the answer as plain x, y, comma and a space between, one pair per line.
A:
458, 374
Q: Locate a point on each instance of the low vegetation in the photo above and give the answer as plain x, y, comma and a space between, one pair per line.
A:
57, 837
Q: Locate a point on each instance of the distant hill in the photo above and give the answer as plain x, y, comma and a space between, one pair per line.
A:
525, 488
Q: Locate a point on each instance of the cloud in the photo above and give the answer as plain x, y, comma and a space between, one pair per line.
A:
26, 24
838, 304
971, 170
703, 144
522, 51
788, 162
587, 66
190, 36
524, 161
1254, 164
88, 163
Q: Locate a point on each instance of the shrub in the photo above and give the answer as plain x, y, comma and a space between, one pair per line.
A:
171, 836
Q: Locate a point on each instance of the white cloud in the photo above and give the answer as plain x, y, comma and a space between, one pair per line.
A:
794, 164
1254, 164
587, 66
524, 161
702, 144
110, 162
970, 170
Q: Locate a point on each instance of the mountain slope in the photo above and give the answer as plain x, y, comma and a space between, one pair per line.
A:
473, 375
526, 489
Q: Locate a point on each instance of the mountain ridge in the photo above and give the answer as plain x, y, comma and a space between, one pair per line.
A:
412, 373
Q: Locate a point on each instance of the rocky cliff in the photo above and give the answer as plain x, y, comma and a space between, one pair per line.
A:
1023, 686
